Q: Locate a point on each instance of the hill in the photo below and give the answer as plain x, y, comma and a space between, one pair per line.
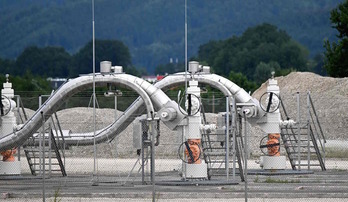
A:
154, 30
329, 97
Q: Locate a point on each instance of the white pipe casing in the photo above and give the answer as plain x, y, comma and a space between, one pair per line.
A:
17, 138
160, 100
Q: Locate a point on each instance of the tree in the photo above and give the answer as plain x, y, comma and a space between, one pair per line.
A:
263, 43
7, 66
46, 61
169, 68
242, 81
316, 64
28, 82
111, 50
336, 62
264, 71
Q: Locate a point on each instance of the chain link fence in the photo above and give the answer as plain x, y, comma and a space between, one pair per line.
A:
120, 169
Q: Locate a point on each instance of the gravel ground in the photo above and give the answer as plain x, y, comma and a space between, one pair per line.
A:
107, 166
67, 199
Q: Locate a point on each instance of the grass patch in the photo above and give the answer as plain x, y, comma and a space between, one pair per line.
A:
336, 153
270, 180
256, 179
57, 196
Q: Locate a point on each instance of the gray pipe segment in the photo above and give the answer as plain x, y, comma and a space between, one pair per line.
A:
146, 91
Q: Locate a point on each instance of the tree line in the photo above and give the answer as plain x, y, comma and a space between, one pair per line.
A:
154, 30
247, 60
57, 62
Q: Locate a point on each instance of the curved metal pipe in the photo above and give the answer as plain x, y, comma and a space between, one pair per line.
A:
159, 98
168, 82
52, 104
214, 80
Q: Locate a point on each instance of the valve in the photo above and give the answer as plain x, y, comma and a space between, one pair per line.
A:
7, 156
272, 145
269, 102
192, 151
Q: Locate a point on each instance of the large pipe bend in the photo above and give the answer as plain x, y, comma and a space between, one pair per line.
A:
178, 79
166, 83
52, 104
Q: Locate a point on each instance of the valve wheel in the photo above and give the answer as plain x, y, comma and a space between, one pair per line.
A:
189, 111
265, 147
269, 102
3, 98
181, 152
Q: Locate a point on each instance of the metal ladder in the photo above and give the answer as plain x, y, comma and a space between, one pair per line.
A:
304, 143
31, 146
34, 154
214, 151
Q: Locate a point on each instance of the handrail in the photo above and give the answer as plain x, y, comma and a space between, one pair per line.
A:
316, 116
21, 106
315, 129
282, 106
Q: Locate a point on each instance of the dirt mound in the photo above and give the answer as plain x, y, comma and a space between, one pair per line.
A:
329, 95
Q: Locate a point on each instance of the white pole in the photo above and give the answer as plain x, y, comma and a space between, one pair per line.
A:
94, 121
43, 158
185, 47
227, 137
246, 152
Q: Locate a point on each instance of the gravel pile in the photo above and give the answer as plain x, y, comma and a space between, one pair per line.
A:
329, 95
81, 120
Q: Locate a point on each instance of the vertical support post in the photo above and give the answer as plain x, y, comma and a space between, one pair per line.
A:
115, 120
185, 48
142, 158
186, 72
227, 137
234, 139
49, 150
324, 151
94, 100
115, 107
183, 132
245, 158
40, 139
18, 107
299, 130
308, 133
43, 159
19, 153
153, 136
213, 106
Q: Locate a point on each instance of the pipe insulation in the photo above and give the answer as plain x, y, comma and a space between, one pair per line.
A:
18, 137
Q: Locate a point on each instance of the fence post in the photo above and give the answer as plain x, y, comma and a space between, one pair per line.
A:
227, 133
299, 130
308, 133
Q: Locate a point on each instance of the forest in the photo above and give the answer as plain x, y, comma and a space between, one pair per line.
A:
252, 56
153, 30
247, 57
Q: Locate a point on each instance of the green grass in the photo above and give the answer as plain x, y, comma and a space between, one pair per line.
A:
57, 195
270, 180
336, 153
